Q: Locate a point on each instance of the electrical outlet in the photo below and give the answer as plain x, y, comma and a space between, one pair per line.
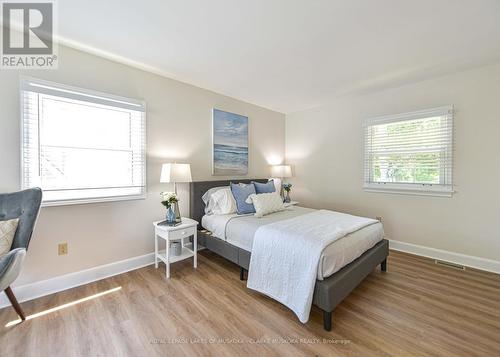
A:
63, 248
379, 219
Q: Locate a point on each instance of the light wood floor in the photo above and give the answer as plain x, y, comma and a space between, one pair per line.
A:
416, 308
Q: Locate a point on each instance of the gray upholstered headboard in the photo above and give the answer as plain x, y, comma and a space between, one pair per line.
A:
198, 189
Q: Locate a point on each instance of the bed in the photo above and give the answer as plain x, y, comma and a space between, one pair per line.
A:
343, 264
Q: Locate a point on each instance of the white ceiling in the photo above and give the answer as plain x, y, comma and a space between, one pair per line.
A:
289, 55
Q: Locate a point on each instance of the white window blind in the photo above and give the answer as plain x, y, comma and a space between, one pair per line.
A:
410, 152
81, 146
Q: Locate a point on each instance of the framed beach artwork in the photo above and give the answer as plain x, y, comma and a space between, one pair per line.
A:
230, 143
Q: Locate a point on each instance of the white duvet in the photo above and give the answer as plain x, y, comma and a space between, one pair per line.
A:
286, 254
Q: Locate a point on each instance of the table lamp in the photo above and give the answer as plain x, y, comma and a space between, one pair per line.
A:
173, 173
281, 172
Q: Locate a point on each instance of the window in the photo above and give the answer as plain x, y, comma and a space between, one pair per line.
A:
410, 153
81, 146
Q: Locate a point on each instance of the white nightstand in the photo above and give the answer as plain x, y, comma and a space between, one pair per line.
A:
182, 232
291, 203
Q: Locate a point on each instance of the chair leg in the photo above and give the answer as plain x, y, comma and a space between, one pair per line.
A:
383, 265
327, 320
15, 304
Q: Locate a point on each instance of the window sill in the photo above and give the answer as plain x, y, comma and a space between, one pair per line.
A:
92, 200
402, 189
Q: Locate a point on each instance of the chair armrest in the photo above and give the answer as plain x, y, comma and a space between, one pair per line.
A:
10, 267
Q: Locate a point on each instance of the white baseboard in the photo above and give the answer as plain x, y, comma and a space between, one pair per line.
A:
68, 281
457, 258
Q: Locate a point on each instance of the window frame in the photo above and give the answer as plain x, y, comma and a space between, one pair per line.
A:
98, 98
443, 189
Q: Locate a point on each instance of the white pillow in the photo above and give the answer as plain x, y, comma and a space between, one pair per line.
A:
209, 203
223, 202
7, 232
266, 203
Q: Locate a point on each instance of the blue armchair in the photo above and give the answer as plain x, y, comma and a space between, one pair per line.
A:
24, 205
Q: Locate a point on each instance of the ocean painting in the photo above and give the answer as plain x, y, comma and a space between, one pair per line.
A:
230, 143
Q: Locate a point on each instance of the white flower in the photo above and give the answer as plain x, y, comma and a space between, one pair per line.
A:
167, 196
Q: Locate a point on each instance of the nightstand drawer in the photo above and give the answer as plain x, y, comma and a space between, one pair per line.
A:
181, 233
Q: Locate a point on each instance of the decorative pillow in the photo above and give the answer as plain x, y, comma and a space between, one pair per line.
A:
264, 187
7, 232
224, 202
210, 204
241, 193
267, 203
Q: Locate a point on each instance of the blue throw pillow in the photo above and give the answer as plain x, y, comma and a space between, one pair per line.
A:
267, 187
241, 193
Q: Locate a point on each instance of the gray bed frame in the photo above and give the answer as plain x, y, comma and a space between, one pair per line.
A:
328, 293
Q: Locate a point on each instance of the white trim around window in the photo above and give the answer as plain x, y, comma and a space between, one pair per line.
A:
81, 146
410, 153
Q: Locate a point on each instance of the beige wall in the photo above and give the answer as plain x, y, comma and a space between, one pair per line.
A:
178, 128
325, 146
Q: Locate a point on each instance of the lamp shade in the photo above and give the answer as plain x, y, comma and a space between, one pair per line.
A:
175, 173
281, 171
